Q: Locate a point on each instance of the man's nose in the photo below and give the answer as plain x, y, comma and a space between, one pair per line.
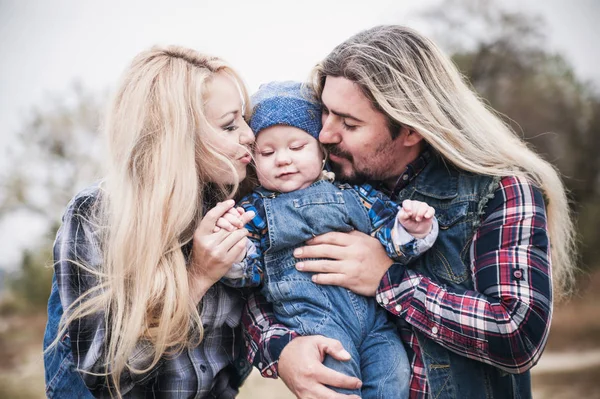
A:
328, 134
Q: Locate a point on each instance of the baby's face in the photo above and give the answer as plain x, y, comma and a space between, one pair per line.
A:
287, 158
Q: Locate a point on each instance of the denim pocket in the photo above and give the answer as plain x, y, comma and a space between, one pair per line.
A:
450, 252
452, 215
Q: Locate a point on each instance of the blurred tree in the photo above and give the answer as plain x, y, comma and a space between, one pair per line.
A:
55, 155
502, 54
30, 286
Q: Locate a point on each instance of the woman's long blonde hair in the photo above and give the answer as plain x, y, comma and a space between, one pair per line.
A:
152, 200
411, 81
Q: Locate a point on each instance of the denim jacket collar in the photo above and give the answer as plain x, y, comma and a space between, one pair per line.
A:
437, 182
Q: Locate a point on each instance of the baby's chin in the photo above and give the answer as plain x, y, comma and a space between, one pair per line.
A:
284, 187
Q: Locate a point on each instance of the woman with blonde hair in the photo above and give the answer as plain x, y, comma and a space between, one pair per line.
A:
136, 307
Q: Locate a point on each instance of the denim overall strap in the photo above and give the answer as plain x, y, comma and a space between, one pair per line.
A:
298, 216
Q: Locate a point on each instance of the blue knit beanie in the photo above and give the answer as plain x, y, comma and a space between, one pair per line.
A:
285, 103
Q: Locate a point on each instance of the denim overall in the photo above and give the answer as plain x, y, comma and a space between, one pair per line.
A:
459, 199
378, 357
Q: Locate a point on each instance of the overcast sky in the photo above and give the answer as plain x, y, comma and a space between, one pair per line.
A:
47, 45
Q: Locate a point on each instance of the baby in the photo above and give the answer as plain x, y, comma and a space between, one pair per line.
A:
296, 201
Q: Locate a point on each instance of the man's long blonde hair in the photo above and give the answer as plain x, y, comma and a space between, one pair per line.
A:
413, 83
152, 200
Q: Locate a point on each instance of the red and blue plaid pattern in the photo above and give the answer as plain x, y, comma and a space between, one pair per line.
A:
503, 321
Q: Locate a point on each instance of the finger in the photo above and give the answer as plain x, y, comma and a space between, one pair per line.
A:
247, 217
210, 241
234, 219
216, 229
332, 347
420, 211
234, 212
210, 219
407, 206
237, 250
330, 279
232, 239
430, 212
213, 239
403, 216
240, 210
319, 266
332, 238
320, 251
225, 224
336, 379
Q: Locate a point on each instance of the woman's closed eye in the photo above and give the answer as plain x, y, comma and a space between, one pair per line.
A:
230, 126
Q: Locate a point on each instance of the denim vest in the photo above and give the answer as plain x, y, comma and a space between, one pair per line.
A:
459, 199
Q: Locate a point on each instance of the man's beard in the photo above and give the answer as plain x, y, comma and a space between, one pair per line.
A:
356, 177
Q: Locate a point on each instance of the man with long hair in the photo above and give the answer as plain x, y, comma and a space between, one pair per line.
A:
474, 312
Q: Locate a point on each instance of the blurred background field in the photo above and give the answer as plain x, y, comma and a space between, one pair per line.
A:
504, 48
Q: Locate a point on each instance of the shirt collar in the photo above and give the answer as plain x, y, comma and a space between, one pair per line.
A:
412, 170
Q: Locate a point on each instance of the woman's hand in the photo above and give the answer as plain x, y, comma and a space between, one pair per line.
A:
355, 261
213, 253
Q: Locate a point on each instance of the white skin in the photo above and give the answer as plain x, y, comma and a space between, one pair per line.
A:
361, 144
289, 159
213, 251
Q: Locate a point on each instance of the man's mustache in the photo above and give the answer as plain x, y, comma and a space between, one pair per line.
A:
338, 152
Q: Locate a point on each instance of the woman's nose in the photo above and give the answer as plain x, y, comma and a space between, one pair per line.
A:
246, 135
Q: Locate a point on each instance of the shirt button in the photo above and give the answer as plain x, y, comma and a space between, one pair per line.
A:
202, 368
518, 274
405, 177
260, 365
434, 330
269, 372
386, 301
398, 308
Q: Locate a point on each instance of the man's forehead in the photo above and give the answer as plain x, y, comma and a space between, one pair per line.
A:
344, 97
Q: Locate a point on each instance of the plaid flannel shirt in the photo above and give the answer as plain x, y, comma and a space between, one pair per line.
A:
204, 371
509, 309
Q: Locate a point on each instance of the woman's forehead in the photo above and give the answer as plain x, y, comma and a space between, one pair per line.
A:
222, 96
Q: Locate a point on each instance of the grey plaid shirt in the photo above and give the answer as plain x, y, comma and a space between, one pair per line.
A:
213, 369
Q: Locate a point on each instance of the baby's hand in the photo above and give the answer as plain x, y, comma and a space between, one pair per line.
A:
235, 218
416, 217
